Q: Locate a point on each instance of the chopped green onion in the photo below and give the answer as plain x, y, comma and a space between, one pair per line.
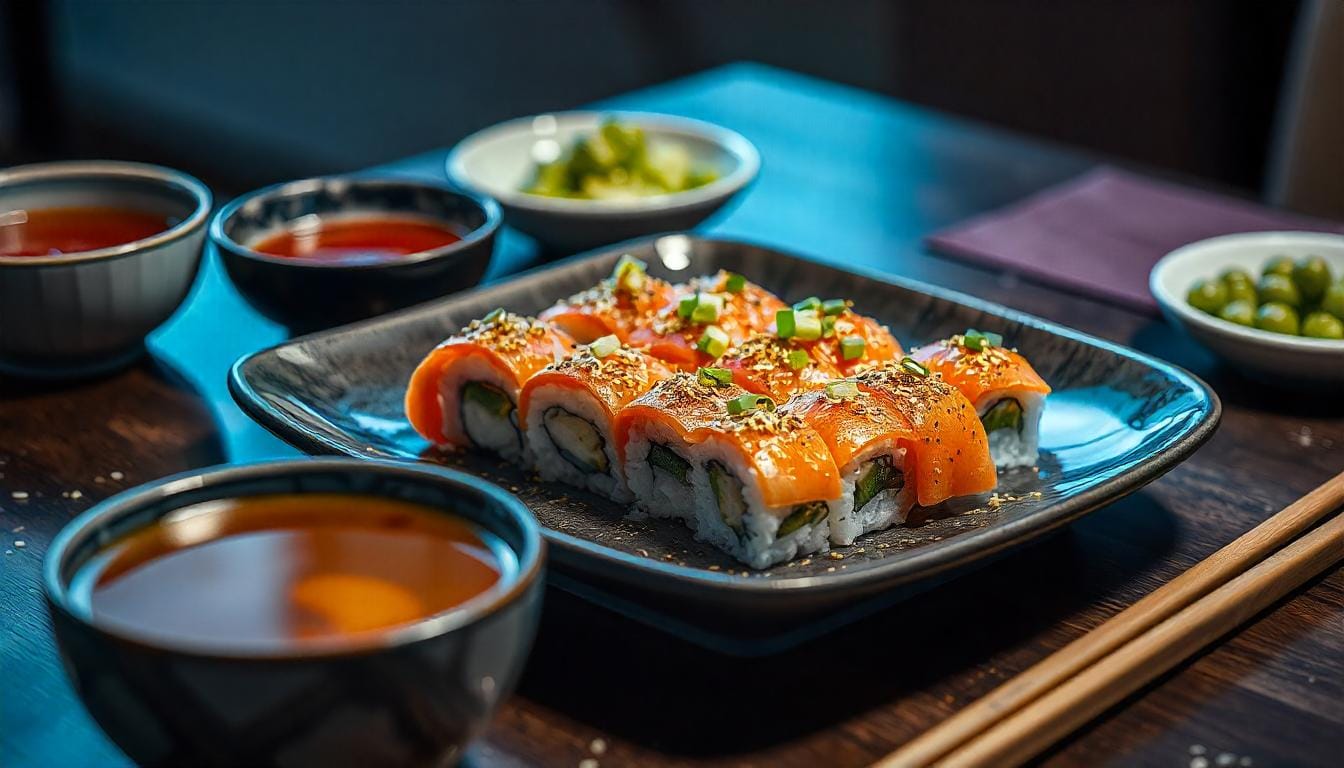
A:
911, 365
834, 306
735, 283
493, 315
686, 306
785, 324
629, 273
604, 346
828, 326
714, 377
746, 403
973, 340
978, 341
851, 347
842, 390
707, 308
807, 326
713, 342
798, 359
811, 302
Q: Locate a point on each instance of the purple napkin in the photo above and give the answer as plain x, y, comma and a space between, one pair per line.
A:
1101, 234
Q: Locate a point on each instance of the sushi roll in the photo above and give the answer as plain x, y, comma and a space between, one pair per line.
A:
569, 411
1006, 391
778, 368
630, 298
711, 314
899, 437
464, 394
756, 482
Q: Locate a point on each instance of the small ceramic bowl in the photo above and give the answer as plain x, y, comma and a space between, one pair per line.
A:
410, 695
498, 161
306, 294
85, 313
1288, 361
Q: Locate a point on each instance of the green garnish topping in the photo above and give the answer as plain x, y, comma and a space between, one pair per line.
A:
735, 283
834, 306
842, 390
828, 326
604, 346
714, 377
807, 325
785, 324
811, 302
978, 341
852, 347
629, 273
748, 403
911, 365
493, 315
707, 308
798, 359
686, 306
713, 342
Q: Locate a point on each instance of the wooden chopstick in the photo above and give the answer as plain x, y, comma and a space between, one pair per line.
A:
1162, 604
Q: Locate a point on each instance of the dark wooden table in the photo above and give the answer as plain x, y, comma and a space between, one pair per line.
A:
849, 178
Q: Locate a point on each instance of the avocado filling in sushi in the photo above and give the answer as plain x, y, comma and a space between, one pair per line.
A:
490, 418
665, 459
728, 494
577, 440
1005, 414
878, 475
804, 514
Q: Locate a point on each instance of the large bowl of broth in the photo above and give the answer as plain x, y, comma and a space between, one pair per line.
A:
319, 252
317, 612
93, 257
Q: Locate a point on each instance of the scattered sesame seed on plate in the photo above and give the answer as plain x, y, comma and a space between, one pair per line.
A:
20, 543
19, 495
597, 747
117, 475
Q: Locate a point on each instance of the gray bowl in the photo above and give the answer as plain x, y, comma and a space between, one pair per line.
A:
409, 695
498, 162
86, 313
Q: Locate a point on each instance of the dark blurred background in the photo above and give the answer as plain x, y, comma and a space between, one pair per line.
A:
244, 93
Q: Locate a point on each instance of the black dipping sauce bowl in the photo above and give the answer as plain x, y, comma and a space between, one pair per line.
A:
414, 694
308, 294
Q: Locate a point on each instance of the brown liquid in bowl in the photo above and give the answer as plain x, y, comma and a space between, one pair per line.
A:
59, 231
292, 568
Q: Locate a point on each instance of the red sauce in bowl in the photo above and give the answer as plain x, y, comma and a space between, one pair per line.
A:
365, 240
60, 231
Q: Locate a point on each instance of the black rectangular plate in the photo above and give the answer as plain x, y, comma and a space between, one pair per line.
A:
1117, 420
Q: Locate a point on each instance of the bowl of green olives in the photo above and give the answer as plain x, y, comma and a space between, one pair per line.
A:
1270, 303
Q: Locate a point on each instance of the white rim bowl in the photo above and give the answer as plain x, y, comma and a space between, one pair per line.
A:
1173, 276
497, 161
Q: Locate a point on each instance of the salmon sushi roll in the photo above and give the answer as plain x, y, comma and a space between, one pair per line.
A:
753, 481
1006, 391
630, 298
778, 368
899, 438
464, 394
569, 413
711, 315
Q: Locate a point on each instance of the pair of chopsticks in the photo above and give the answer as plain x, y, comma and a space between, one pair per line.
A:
1024, 716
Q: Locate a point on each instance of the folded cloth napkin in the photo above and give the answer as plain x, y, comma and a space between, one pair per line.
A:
1101, 233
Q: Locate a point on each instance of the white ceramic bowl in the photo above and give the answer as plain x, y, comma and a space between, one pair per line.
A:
1286, 360
499, 161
